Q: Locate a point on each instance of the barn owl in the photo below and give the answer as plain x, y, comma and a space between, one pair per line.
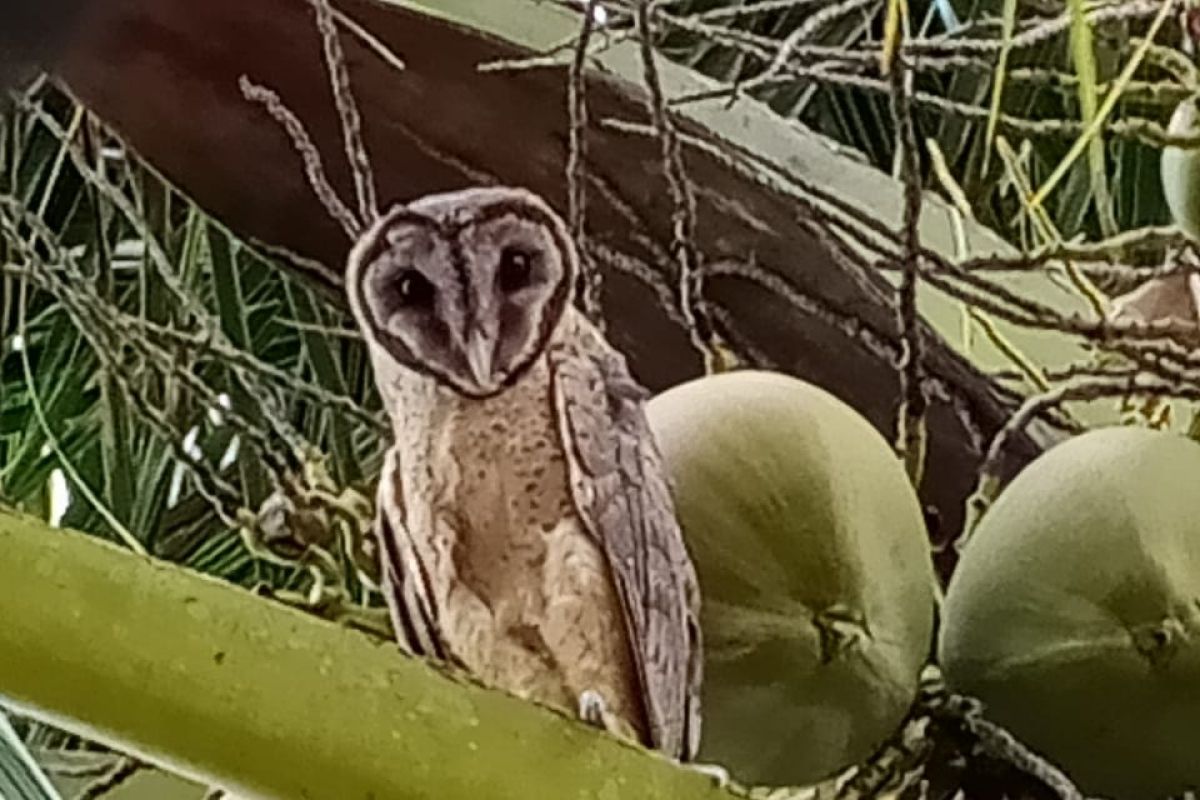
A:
525, 521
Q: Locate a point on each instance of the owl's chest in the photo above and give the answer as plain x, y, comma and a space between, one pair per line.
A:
486, 487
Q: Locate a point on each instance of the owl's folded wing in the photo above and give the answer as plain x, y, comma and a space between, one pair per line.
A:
620, 490
404, 582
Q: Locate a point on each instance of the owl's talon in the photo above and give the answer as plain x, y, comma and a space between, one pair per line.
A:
592, 708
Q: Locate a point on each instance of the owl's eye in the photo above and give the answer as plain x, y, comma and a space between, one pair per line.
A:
414, 289
516, 270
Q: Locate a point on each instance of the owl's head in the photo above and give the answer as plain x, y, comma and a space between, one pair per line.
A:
466, 287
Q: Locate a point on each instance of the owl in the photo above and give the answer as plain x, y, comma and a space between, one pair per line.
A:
525, 521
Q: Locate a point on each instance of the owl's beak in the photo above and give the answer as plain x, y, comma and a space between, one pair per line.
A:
479, 358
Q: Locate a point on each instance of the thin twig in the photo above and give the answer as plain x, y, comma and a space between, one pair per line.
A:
806, 31
303, 144
683, 217
343, 96
1087, 389
588, 290
910, 433
996, 743
125, 769
1150, 238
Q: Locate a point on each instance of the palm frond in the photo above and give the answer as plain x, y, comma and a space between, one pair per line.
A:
21, 778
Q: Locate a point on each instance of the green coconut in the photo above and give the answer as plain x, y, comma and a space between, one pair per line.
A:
814, 567
1074, 612
1181, 170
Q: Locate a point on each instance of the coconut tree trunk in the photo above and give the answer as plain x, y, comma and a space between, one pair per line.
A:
221, 686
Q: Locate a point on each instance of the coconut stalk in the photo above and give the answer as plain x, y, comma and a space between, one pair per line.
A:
221, 686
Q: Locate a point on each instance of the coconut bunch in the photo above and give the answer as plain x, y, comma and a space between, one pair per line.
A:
1074, 612
1073, 616
1072, 620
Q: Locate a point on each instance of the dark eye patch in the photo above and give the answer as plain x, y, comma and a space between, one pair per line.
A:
412, 289
515, 271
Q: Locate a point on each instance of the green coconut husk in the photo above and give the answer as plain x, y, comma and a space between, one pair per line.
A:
1074, 614
815, 570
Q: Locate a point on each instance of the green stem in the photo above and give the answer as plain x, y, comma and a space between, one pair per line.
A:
231, 690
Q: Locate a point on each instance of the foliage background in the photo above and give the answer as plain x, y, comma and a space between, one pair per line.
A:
159, 378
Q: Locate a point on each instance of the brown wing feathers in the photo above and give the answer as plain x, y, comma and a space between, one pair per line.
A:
621, 493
